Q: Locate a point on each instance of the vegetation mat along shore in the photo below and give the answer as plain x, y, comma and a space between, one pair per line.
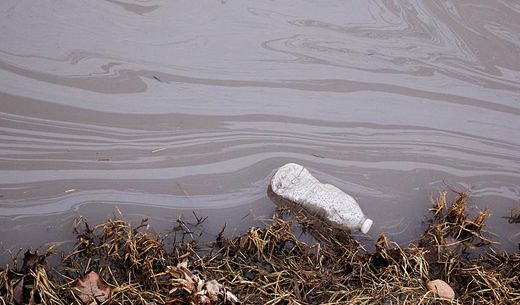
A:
294, 259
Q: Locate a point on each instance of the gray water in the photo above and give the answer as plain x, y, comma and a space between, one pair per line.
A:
159, 108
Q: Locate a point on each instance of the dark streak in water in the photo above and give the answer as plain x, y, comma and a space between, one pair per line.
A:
135, 8
160, 108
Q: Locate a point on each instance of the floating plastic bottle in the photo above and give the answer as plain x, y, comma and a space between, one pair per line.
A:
293, 182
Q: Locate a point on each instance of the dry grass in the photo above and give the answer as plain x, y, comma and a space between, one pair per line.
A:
515, 215
274, 265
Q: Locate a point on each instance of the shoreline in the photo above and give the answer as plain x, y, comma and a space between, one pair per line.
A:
295, 259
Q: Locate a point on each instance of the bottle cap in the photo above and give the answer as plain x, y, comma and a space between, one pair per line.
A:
365, 227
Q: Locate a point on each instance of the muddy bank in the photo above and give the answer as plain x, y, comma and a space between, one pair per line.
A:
293, 259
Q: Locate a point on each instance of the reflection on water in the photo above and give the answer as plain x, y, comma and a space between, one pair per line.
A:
162, 107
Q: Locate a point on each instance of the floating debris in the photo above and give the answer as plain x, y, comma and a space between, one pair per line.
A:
158, 150
515, 215
191, 286
294, 183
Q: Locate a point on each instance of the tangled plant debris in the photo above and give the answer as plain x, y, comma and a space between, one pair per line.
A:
515, 215
294, 259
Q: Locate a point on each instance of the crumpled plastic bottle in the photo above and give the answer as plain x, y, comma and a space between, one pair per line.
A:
294, 183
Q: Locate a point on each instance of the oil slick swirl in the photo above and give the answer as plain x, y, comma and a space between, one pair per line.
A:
163, 107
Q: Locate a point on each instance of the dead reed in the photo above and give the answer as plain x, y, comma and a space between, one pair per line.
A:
295, 259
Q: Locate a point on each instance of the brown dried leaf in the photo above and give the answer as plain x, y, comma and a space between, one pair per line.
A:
18, 292
92, 289
30, 260
213, 290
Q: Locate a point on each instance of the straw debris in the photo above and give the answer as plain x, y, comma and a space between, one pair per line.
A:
293, 259
515, 215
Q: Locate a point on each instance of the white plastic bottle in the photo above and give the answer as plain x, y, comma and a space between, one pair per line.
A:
294, 183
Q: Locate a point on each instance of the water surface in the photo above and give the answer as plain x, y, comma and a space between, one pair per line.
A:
159, 108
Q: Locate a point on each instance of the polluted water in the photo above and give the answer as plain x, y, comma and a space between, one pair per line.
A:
186, 109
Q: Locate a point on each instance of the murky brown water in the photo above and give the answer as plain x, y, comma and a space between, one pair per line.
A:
159, 108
